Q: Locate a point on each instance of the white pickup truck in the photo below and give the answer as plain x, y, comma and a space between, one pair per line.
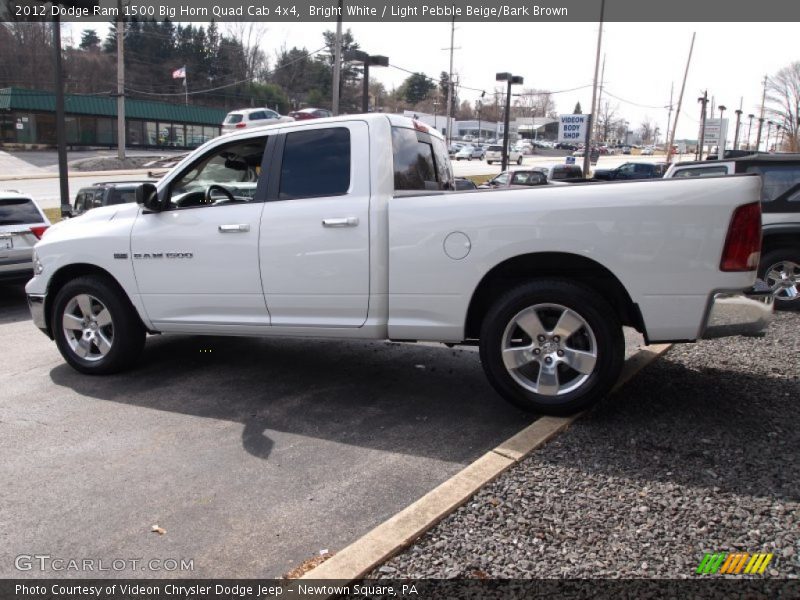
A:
346, 227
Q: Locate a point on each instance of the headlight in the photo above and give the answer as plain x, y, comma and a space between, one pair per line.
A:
37, 264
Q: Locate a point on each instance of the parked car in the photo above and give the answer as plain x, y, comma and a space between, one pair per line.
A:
779, 265
310, 113
633, 170
470, 152
252, 117
22, 224
453, 148
494, 153
566, 146
104, 193
516, 178
648, 151
462, 184
560, 172
542, 279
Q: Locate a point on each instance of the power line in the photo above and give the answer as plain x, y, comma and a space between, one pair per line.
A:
634, 103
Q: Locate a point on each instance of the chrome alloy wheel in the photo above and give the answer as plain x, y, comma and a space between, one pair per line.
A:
549, 349
88, 327
784, 280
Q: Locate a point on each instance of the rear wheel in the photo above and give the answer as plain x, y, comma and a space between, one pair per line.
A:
552, 347
780, 269
95, 328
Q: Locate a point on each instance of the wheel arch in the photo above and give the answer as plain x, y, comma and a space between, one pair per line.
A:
551, 265
70, 272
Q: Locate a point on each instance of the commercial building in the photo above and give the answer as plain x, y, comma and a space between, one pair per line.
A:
28, 117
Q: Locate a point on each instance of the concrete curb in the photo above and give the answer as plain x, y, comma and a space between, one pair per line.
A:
49, 175
399, 531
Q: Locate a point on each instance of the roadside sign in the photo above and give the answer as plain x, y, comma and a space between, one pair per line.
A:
572, 128
570, 160
594, 156
715, 130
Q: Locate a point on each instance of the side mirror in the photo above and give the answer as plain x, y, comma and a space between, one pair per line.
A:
147, 196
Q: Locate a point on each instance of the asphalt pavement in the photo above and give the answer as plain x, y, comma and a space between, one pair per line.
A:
252, 454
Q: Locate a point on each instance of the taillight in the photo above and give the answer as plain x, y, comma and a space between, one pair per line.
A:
38, 230
743, 244
241, 125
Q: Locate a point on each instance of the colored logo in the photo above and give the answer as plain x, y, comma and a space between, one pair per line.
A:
734, 563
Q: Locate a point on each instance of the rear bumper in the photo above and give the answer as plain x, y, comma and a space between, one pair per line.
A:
745, 313
36, 306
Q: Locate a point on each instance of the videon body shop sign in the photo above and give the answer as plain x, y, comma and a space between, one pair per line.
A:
572, 128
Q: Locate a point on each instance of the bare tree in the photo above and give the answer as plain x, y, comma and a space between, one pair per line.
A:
608, 122
647, 130
783, 98
534, 103
251, 35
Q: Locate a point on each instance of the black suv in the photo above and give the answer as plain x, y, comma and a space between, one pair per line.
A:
104, 193
632, 170
780, 207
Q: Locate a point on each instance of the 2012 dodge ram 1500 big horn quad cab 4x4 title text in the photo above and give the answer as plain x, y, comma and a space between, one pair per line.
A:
347, 227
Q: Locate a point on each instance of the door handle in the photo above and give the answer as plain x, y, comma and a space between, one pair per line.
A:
340, 222
239, 228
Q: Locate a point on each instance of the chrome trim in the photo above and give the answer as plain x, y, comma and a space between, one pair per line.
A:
745, 313
36, 306
340, 222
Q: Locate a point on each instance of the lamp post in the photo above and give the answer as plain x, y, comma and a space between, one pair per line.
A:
736, 135
722, 138
480, 106
751, 116
435, 115
367, 60
758, 135
766, 141
510, 80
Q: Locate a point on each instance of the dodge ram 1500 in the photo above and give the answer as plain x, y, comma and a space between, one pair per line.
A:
349, 227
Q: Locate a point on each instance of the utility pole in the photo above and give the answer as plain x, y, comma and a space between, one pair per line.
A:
337, 63
680, 99
588, 148
704, 101
597, 135
667, 137
61, 134
761, 116
120, 83
751, 116
449, 136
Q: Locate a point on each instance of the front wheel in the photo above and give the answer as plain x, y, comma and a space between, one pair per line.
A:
552, 347
780, 269
488, 162
95, 327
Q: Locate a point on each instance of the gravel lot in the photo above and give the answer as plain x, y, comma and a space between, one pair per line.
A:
699, 453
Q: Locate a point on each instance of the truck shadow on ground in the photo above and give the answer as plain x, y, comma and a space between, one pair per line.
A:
421, 400
727, 430
13, 306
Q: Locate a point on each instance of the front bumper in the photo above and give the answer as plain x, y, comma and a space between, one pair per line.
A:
744, 313
36, 306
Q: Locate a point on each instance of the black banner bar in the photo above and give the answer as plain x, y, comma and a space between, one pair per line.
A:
507, 11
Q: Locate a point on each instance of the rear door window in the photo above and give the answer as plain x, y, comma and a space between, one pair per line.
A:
18, 211
315, 163
258, 116
420, 161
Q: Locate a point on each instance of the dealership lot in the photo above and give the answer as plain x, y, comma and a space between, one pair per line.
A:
252, 454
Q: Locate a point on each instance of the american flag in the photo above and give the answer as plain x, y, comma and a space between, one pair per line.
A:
179, 73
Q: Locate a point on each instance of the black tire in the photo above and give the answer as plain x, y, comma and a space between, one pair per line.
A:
125, 331
519, 160
602, 334
488, 162
777, 258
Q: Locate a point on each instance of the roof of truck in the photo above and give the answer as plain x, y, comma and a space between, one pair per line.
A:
755, 157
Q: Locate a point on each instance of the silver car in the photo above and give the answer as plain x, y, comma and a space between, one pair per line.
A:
22, 224
252, 117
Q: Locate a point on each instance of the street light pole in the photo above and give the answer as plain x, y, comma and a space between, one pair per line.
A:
509, 79
722, 138
366, 60
588, 148
738, 122
766, 142
749, 128
703, 100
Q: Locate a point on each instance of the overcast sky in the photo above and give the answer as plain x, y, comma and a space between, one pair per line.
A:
642, 59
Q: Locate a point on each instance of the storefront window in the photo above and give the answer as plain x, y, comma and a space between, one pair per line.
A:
151, 133
135, 133
106, 132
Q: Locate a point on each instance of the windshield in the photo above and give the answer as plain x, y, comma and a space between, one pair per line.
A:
233, 118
